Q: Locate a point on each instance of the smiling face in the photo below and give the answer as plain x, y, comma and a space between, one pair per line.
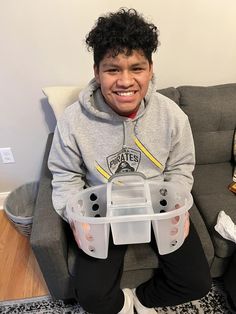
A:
124, 80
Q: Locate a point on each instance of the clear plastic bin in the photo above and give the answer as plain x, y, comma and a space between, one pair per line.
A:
129, 204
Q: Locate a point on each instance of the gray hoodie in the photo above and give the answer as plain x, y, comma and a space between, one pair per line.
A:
92, 142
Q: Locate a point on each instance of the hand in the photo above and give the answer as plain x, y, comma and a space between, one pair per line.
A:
76, 235
186, 225
186, 222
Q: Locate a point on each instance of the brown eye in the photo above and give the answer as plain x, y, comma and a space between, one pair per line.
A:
112, 70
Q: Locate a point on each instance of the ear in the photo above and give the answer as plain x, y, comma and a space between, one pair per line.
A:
96, 73
151, 71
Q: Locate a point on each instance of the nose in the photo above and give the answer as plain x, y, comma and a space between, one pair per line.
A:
125, 79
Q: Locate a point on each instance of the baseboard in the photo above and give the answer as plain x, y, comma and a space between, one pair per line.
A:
3, 196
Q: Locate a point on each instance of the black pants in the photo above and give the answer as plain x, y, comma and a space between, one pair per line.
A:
183, 276
229, 281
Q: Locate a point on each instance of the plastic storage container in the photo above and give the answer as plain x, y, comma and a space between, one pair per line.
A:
129, 204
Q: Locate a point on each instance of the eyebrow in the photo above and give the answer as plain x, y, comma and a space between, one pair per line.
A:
140, 64
110, 65
114, 65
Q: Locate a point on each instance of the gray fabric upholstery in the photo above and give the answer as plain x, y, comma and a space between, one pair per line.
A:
136, 277
213, 147
204, 236
212, 179
209, 108
171, 93
211, 195
49, 238
140, 256
212, 115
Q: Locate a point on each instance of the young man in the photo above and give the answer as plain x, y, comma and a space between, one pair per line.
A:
105, 132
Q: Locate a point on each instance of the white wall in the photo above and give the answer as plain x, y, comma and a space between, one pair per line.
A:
42, 44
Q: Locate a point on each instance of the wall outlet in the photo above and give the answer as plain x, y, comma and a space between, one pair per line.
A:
7, 156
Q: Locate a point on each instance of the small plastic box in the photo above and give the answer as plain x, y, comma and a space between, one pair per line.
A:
129, 204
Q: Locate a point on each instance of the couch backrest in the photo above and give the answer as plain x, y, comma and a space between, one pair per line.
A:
212, 115
171, 92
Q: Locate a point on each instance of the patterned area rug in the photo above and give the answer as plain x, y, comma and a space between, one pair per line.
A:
213, 303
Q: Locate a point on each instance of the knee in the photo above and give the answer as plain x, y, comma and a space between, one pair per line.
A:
199, 287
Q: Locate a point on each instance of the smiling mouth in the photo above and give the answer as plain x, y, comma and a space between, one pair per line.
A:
128, 93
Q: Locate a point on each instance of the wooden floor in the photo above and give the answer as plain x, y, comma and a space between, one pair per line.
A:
20, 276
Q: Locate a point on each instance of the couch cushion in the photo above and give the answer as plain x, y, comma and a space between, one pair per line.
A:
212, 179
59, 97
213, 147
140, 256
171, 93
212, 115
211, 195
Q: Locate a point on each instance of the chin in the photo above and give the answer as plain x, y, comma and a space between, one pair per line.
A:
126, 110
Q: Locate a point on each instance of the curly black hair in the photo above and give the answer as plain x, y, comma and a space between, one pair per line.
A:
122, 32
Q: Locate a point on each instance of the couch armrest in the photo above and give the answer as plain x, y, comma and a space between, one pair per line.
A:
48, 237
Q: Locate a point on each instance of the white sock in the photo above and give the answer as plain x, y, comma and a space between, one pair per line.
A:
128, 307
141, 309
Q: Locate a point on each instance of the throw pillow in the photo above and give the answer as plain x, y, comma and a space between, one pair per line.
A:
59, 97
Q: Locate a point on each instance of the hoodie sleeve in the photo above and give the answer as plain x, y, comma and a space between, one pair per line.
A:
181, 161
66, 165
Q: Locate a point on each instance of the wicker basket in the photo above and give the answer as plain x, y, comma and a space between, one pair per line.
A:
19, 207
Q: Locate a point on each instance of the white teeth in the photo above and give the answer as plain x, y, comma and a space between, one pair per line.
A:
125, 93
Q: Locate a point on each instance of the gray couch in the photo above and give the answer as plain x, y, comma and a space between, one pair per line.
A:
212, 114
